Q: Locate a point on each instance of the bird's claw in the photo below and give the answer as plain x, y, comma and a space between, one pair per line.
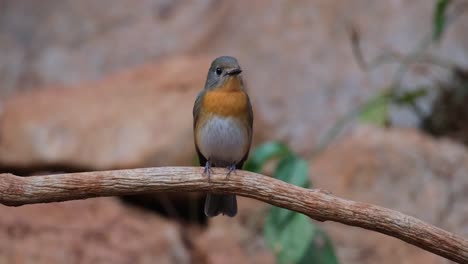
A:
231, 168
207, 171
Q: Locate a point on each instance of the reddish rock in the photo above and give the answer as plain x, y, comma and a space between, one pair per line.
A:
400, 169
141, 117
90, 231
297, 57
67, 43
299, 69
235, 240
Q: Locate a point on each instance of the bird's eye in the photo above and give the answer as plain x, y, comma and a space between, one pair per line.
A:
219, 71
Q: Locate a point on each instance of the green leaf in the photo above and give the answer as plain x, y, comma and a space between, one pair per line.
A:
376, 111
439, 19
264, 153
289, 239
294, 170
292, 236
295, 239
410, 97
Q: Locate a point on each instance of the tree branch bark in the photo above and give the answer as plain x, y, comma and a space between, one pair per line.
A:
317, 204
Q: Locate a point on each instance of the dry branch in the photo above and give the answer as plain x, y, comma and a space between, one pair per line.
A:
319, 205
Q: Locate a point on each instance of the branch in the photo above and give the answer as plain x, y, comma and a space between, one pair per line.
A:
317, 204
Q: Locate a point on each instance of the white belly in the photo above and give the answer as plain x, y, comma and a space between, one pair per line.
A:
223, 139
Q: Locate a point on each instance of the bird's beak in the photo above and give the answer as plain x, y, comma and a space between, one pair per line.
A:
234, 72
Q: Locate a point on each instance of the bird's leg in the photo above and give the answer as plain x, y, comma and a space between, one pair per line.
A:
208, 170
231, 168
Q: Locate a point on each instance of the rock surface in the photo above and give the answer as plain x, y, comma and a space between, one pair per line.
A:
236, 240
104, 230
91, 231
112, 85
57, 42
398, 169
297, 57
137, 118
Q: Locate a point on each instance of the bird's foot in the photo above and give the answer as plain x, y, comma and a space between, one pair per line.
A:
231, 168
207, 171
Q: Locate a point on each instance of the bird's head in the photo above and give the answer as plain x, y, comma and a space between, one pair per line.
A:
224, 71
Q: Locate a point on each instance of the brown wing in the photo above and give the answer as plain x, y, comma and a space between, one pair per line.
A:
249, 122
196, 114
197, 108
249, 119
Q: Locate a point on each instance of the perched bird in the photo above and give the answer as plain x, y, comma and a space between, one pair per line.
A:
222, 125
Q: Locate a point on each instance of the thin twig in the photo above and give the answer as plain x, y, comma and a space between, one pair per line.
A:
319, 205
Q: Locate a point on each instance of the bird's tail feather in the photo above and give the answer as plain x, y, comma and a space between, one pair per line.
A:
225, 204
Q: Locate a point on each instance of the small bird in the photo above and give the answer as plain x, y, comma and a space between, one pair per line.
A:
222, 127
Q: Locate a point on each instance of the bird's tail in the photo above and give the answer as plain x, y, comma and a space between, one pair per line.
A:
225, 204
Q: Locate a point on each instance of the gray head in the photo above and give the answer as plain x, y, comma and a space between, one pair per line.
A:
222, 69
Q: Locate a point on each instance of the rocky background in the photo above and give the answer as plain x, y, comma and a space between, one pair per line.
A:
94, 85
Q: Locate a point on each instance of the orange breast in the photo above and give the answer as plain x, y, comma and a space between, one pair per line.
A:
225, 102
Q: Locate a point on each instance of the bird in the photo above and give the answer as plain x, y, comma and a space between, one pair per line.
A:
222, 128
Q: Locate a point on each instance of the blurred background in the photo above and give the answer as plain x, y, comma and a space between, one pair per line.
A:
369, 100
